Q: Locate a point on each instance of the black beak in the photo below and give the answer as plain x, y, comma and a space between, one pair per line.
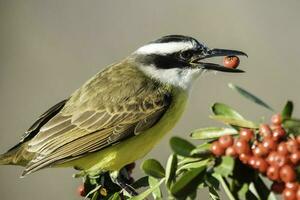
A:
215, 53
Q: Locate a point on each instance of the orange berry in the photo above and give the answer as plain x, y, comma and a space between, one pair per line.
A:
292, 185
230, 151
217, 149
271, 158
261, 165
260, 150
287, 174
244, 158
289, 194
292, 145
280, 160
273, 173
278, 133
246, 134
225, 141
282, 149
241, 147
81, 190
295, 158
298, 139
269, 144
252, 161
231, 61
265, 130
298, 194
276, 119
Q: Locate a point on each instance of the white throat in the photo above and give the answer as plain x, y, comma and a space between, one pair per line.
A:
182, 78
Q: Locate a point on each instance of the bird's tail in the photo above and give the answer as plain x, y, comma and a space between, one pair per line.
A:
6, 158
13, 156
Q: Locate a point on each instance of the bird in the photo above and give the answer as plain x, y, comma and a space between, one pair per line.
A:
121, 113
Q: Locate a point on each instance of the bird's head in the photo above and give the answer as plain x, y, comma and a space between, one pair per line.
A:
178, 60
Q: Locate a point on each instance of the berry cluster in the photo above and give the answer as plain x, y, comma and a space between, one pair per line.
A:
268, 150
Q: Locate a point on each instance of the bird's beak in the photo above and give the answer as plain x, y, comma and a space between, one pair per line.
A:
215, 53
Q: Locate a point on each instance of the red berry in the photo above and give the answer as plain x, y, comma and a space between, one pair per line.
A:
246, 134
289, 194
81, 190
260, 150
265, 130
244, 158
273, 173
252, 161
276, 119
278, 133
261, 165
295, 157
225, 141
282, 149
292, 145
230, 152
298, 139
287, 174
277, 187
280, 160
269, 144
231, 61
298, 194
217, 149
271, 158
241, 147
292, 185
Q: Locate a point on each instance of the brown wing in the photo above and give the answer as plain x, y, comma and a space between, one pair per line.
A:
78, 130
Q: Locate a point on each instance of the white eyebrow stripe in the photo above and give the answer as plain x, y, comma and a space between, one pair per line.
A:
164, 48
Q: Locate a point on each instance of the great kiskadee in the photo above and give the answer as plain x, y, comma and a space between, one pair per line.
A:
118, 115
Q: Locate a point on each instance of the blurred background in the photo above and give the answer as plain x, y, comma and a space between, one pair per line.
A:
49, 48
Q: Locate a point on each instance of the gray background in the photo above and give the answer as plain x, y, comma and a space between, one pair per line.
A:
49, 48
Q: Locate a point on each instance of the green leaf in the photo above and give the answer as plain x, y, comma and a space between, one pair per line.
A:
202, 151
181, 146
188, 182
235, 122
211, 181
291, 123
156, 193
253, 192
213, 193
153, 168
212, 132
141, 182
115, 196
287, 110
261, 188
95, 195
225, 110
225, 167
188, 160
250, 96
272, 196
225, 186
171, 169
198, 164
146, 193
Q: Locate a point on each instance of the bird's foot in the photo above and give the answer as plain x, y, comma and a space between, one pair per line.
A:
122, 179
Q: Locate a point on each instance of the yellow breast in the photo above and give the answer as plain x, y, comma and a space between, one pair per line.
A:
118, 155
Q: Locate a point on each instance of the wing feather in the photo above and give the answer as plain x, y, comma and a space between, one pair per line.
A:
93, 119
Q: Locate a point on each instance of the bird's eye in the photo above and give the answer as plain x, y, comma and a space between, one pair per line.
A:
186, 55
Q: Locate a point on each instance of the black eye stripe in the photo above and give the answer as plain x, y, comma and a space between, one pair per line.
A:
164, 61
